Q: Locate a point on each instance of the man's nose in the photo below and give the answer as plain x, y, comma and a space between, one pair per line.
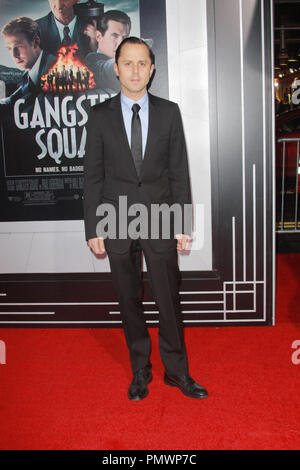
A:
59, 4
135, 68
16, 52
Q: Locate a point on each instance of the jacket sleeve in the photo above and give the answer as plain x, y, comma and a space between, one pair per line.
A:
179, 179
103, 70
93, 174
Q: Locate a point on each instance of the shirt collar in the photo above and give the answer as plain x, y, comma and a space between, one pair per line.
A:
34, 71
128, 102
61, 26
100, 52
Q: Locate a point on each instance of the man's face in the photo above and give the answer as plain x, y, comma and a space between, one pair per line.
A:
113, 36
63, 10
22, 51
134, 70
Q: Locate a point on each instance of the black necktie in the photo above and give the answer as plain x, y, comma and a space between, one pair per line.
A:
66, 39
27, 83
25, 79
136, 138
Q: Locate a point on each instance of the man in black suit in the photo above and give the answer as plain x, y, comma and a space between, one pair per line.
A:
86, 78
50, 78
22, 38
57, 79
71, 78
61, 27
79, 79
64, 78
111, 29
153, 171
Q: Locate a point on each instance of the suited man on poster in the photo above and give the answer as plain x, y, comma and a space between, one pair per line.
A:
111, 29
60, 27
22, 38
136, 148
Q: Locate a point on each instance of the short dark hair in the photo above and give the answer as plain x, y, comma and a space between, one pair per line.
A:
134, 40
114, 15
22, 25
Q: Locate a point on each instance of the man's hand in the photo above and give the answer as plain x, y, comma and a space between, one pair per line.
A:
183, 242
91, 32
97, 246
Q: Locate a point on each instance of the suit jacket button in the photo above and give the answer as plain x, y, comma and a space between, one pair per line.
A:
139, 184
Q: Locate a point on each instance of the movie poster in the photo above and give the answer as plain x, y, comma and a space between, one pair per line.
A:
56, 62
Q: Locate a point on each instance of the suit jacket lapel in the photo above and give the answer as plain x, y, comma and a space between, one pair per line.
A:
54, 33
76, 33
120, 131
42, 65
153, 132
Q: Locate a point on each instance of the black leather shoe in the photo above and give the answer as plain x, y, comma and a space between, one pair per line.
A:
187, 385
138, 388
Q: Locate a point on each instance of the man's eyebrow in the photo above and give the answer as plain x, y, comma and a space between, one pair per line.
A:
17, 43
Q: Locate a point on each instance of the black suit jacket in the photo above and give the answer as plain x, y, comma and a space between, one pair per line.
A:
50, 38
110, 170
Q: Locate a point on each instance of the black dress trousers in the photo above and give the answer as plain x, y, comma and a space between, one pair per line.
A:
164, 277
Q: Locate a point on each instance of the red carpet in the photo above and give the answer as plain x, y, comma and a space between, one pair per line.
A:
67, 389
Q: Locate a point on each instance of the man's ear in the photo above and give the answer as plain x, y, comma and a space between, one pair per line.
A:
152, 69
36, 41
116, 69
98, 35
